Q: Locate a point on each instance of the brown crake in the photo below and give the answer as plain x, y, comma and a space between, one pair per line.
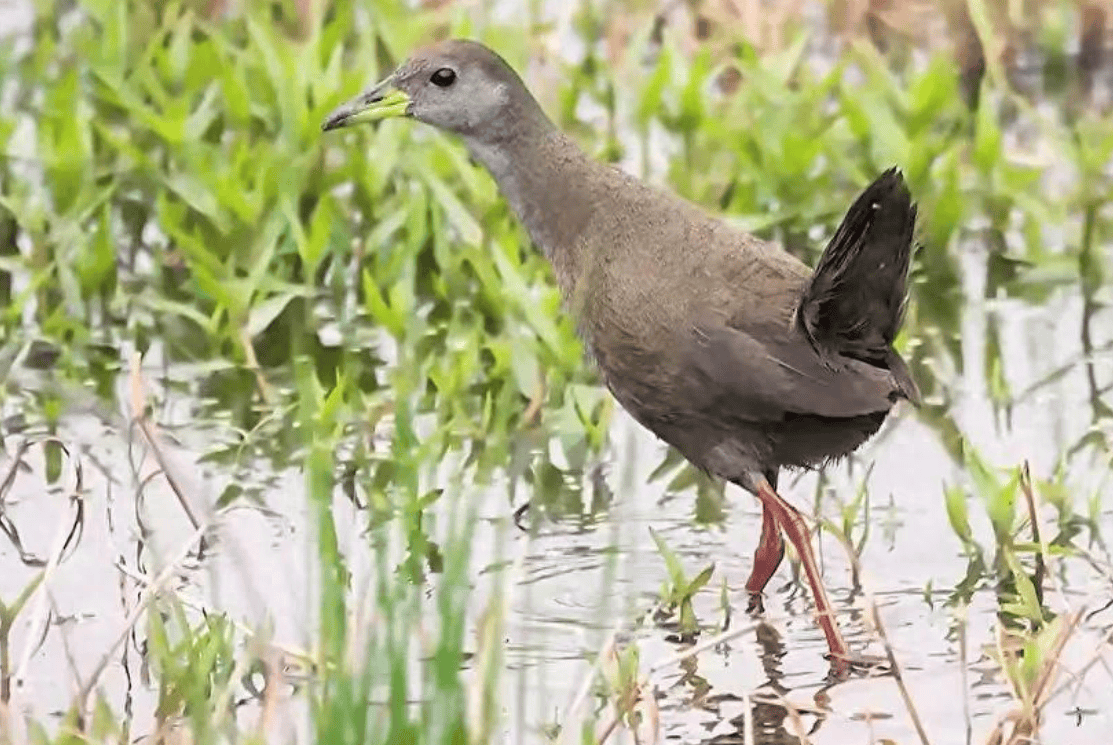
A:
723, 345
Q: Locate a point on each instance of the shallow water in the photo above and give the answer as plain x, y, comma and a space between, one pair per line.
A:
580, 577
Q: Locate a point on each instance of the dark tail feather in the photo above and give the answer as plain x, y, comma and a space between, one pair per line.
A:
854, 304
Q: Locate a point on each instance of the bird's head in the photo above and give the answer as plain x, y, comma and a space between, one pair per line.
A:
458, 86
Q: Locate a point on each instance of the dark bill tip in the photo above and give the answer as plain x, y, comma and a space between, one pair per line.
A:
335, 120
383, 101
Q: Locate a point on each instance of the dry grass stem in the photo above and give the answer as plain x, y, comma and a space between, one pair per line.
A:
748, 730
572, 724
148, 595
37, 625
703, 646
964, 671
13, 470
1037, 536
895, 671
638, 700
890, 655
1101, 649
1025, 717
147, 427
295, 653
265, 390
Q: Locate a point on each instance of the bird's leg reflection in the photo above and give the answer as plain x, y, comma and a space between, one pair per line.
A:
770, 710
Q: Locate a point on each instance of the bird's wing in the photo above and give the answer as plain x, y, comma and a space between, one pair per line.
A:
734, 374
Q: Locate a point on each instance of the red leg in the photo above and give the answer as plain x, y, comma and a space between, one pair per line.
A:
797, 533
767, 557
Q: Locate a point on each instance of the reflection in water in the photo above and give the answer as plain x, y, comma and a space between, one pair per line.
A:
590, 565
581, 576
771, 716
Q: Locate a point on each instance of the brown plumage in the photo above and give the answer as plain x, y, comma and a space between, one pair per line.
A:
724, 345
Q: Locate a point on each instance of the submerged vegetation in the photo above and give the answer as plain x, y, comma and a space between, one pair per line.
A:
207, 310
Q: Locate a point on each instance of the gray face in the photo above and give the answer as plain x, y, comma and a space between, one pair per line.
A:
455, 94
458, 86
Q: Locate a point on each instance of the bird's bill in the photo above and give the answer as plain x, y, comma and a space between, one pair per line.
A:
382, 101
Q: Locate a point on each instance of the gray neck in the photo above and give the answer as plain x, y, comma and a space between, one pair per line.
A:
547, 180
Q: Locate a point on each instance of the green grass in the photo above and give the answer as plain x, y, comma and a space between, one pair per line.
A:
363, 307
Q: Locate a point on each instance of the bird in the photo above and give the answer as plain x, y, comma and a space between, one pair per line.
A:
723, 345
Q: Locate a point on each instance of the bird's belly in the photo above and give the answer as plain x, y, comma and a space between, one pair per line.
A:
806, 442
648, 380
648, 377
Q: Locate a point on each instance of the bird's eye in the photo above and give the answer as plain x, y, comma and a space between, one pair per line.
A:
443, 77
